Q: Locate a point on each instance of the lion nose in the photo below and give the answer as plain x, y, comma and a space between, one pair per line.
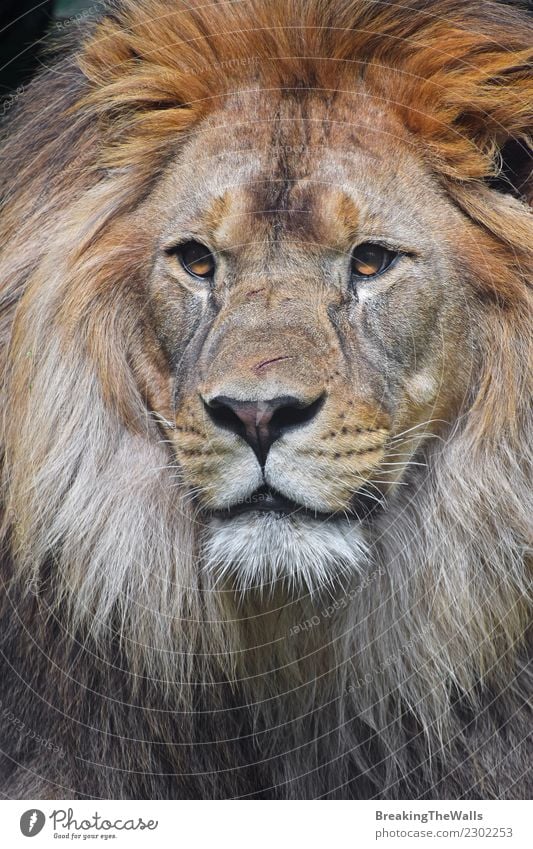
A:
261, 422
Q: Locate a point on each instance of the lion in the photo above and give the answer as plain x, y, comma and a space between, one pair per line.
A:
265, 281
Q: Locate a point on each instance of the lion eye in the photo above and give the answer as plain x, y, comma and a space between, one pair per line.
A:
369, 260
196, 259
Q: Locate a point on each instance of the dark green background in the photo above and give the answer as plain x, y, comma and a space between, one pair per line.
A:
24, 25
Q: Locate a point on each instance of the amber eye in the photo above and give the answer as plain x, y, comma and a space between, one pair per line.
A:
196, 259
369, 260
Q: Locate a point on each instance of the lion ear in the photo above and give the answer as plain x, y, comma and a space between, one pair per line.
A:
495, 114
469, 93
514, 170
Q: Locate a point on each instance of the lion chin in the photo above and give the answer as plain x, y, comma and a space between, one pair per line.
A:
259, 551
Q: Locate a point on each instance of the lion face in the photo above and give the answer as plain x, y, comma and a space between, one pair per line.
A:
265, 336
305, 297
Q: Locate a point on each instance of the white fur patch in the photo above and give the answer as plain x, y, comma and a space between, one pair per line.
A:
422, 388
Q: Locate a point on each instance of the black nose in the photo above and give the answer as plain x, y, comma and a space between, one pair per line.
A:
260, 423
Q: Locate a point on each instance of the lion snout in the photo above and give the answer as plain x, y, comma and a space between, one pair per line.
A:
261, 421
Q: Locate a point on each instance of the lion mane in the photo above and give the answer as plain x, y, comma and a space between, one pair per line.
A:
128, 671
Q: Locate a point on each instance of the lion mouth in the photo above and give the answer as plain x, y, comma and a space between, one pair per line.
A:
268, 500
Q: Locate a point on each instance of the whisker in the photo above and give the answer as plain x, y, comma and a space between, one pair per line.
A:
404, 463
421, 424
160, 418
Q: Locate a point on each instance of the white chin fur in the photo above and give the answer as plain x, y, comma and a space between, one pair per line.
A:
260, 549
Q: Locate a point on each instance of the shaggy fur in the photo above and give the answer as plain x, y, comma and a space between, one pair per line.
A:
131, 668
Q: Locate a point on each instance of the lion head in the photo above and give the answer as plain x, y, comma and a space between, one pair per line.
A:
265, 346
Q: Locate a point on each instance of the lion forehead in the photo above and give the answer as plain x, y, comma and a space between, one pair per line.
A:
321, 171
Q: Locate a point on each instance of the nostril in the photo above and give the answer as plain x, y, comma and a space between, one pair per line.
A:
223, 415
295, 414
